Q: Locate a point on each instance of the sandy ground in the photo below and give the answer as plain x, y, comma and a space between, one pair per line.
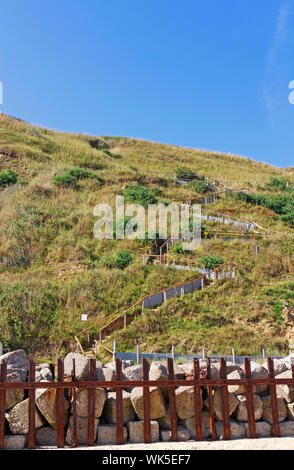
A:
272, 443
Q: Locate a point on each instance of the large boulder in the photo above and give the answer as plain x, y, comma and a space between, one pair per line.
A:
109, 365
46, 403
82, 402
217, 402
109, 411
231, 366
14, 396
18, 418
188, 368
127, 363
81, 366
136, 431
43, 365
46, 436
259, 372
107, 434
82, 430
287, 429
132, 373
157, 403
286, 391
165, 422
262, 428
189, 423
185, 402
280, 366
237, 430
267, 410
105, 374
236, 389
183, 434
46, 375
179, 372
290, 411
158, 371
17, 365
241, 412
15, 442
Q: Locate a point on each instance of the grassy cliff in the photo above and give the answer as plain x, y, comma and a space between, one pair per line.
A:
52, 269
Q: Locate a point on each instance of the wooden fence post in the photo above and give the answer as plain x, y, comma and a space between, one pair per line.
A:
173, 352
138, 353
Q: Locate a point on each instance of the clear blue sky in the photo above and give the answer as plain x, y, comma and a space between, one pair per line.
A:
208, 74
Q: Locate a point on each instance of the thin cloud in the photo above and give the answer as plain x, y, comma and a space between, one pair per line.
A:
279, 37
280, 34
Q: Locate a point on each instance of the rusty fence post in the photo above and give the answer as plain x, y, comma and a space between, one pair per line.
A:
211, 402
249, 399
91, 403
32, 407
60, 405
74, 407
197, 400
3, 378
119, 405
273, 395
225, 400
146, 399
172, 400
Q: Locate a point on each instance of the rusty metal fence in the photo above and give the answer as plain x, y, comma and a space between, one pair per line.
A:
199, 381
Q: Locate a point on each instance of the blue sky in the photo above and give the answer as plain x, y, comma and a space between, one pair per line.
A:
210, 75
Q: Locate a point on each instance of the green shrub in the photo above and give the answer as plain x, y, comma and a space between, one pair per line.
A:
65, 179
199, 187
7, 177
178, 249
281, 204
211, 261
70, 177
278, 311
110, 154
140, 195
278, 184
88, 161
121, 260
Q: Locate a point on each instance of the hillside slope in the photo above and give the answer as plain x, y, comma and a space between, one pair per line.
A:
52, 269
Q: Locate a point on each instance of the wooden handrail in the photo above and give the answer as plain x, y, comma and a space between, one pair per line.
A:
79, 344
102, 346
